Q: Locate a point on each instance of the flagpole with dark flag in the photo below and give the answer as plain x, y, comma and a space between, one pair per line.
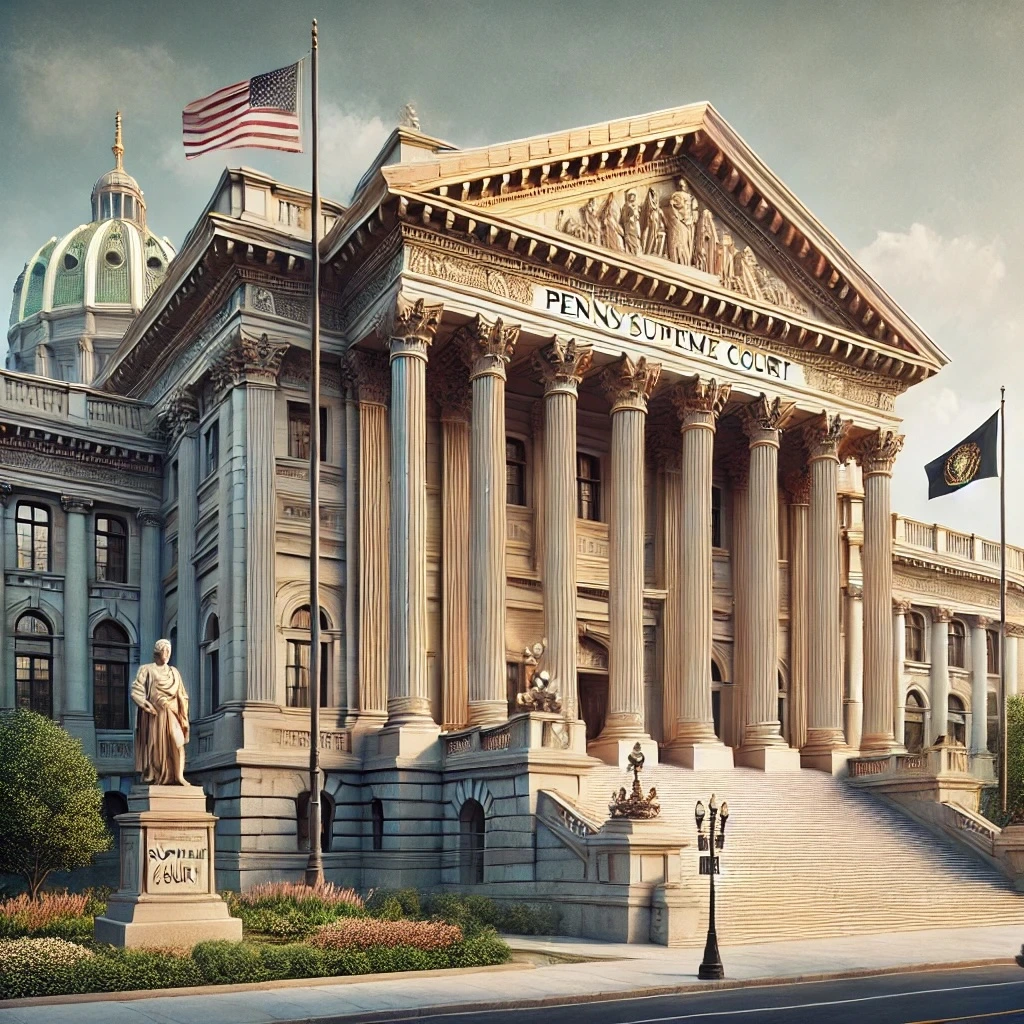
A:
1003, 794
315, 867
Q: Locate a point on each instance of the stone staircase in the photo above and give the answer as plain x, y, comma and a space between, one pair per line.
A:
807, 856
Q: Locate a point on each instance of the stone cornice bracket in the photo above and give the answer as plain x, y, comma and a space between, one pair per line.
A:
763, 419
824, 435
941, 614
367, 376
629, 382
700, 402
448, 384
149, 517
562, 365
181, 415
487, 347
5, 493
900, 605
877, 452
411, 326
72, 503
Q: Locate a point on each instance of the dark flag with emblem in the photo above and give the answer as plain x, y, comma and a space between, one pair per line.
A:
974, 458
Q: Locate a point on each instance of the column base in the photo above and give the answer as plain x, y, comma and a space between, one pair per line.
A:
823, 759
768, 758
883, 744
616, 749
700, 756
983, 766
853, 721
488, 712
414, 739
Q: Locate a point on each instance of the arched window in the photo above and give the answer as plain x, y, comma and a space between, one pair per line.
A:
915, 636
716, 697
957, 644
297, 672
956, 729
111, 550
913, 722
471, 843
588, 487
114, 804
326, 820
211, 663
33, 663
992, 651
377, 823
32, 525
110, 646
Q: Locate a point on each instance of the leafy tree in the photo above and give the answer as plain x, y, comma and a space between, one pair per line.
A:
51, 817
1015, 751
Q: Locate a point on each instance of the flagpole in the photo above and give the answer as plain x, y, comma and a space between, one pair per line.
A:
315, 867
1004, 796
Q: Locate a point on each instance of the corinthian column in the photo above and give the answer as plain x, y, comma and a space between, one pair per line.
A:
412, 331
825, 739
876, 454
561, 366
487, 348
699, 402
629, 384
899, 658
938, 674
763, 745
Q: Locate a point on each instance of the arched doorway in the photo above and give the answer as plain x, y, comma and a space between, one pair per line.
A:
592, 660
472, 827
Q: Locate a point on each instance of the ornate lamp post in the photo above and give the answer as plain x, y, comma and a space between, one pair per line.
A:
711, 966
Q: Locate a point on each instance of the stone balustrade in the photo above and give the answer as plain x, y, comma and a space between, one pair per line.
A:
534, 730
911, 536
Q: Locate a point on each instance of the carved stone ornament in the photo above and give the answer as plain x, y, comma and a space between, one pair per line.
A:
981, 621
562, 365
5, 493
72, 503
487, 347
448, 383
149, 517
181, 414
900, 605
665, 220
823, 436
636, 805
763, 419
798, 486
877, 452
699, 397
413, 322
1015, 629
629, 382
854, 591
367, 376
540, 696
941, 614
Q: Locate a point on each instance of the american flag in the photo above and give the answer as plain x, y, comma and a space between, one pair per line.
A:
262, 112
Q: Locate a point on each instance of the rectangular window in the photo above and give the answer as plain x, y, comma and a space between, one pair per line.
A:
588, 487
716, 517
32, 526
33, 684
111, 550
129, 207
298, 431
915, 637
290, 214
515, 471
298, 673
211, 449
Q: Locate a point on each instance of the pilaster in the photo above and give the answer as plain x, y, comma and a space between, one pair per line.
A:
938, 674
899, 639
798, 486
77, 705
853, 709
561, 366
979, 685
629, 384
151, 582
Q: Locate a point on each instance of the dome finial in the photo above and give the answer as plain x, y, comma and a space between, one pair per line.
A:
118, 148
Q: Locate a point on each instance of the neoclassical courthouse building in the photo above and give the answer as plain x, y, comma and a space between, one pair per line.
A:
615, 390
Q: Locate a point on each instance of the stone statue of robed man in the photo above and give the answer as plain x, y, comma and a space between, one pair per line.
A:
161, 730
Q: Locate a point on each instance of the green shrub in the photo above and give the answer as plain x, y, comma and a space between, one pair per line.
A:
230, 963
292, 911
473, 914
394, 904
30, 967
123, 970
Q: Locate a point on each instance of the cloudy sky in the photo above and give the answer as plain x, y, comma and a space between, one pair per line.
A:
897, 123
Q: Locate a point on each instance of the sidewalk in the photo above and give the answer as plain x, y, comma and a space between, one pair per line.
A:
616, 970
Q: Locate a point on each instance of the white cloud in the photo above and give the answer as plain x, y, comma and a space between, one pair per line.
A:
348, 142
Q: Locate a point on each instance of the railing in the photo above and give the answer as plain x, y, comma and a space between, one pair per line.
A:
559, 809
940, 540
36, 396
934, 761
115, 414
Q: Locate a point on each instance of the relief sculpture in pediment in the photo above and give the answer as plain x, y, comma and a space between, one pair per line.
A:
672, 225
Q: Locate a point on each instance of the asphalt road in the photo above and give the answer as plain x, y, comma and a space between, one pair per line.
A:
994, 995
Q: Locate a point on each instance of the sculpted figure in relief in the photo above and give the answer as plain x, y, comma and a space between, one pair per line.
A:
746, 273
727, 258
681, 224
706, 255
652, 225
631, 224
612, 236
161, 730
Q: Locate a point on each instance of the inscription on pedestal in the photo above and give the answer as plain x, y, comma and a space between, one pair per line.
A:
177, 861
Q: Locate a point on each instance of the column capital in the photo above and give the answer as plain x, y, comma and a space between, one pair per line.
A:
149, 517
900, 605
180, 416
981, 621
798, 485
629, 382
487, 346
736, 462
562, 365
877, 452
941, 614
763, 418
857, 593
823, 435
1015, 629
699, 402
448, 384
5, 493
411, 326
367, 376
72, 503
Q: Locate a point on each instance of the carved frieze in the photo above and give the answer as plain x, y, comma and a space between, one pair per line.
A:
51, 458
447, 267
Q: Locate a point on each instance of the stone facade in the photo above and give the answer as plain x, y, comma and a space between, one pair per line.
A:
698, 445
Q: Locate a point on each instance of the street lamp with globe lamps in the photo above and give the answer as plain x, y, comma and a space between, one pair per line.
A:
711, 966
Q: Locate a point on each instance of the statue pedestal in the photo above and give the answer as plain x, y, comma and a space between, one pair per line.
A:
167, 896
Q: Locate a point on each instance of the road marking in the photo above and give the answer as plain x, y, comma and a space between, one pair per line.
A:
973, 1016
